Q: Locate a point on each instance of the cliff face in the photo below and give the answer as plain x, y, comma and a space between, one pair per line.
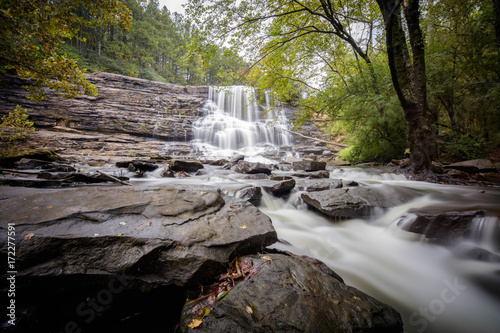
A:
123, 105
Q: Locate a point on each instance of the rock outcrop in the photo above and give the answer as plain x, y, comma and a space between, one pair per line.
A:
288, 295
123, 105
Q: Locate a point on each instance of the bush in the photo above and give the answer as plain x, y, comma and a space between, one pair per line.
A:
17, 126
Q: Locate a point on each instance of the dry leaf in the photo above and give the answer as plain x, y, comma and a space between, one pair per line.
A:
243, 227
137, 228
249, 309
148, 224
123, 223
29, 236
195, 323
232, 207
49, 207
120, 234
266, 258
205, 311
95, 235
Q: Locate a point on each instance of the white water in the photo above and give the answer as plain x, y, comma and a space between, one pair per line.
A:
433, 288
235, 124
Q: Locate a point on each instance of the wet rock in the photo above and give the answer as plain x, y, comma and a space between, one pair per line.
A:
35, 154
473, 166
158, 235
457, 174
308, 166
252, 194
314, 185
440, 226
252, 167
289, 295
185, 165
312, 174
135, 165
355, 202
279, 186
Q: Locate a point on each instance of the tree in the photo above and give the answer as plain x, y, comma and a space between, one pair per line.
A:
31, 30
409, 77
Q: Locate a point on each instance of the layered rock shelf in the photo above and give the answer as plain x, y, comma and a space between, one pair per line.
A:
124, 105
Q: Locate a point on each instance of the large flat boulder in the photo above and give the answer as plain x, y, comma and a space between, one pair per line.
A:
252, 167
287, 294
355, 202
473, 166
164, 235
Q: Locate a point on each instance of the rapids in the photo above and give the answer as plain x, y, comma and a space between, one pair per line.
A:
434, 287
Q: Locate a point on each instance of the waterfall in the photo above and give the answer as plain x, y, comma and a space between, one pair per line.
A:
234, 123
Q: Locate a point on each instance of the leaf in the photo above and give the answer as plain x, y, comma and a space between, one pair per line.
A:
29, 236
249, 309
205, 311
266, 258
195, 323
95, 235
148, 224
120, 234
221, 295
123, 223
243, 227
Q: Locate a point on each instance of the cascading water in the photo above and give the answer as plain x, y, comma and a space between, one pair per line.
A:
234, 123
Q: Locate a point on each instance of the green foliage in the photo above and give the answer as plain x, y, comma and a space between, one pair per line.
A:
31, 30
465, 147
16, 126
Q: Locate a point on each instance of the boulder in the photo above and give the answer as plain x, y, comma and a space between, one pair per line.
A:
312, 174
314, 185
287, 294
473, 166
137, 165
185, 165
252, 167
279, 185
354, 202
443, 227
252, 194
489, 177
162, 235
308, 166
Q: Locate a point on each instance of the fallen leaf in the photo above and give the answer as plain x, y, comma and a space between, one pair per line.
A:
148, 224
195, 323
232, 207
266, 257
356, 298
243, 227
49, 207
137, 228
123, 223
249, 309
95, 235
221, 295
36, 208
29, 236
120, 234
205, 311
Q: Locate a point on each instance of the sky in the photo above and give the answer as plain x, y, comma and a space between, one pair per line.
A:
173, 5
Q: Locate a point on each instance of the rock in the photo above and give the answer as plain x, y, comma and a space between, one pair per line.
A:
160, 235
457, 174
279, 186
314, 185
135, 165
236, 159
252, 167
10, 160
489, 177
124, 105
354, 202
473, 166
439, 226
308, 166
312, 174
252, 194
185, 165
289, 295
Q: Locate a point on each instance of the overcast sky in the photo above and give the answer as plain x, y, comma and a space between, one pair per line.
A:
173, 5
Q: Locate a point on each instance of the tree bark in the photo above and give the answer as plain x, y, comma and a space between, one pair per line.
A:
409, 79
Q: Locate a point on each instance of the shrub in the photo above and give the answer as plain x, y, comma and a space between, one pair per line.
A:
17, 126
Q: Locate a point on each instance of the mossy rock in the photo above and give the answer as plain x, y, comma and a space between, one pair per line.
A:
8, 158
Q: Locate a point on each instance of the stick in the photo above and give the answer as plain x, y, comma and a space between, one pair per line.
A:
19, 171
319, 140
113, 178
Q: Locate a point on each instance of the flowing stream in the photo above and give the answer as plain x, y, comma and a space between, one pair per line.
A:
436, 288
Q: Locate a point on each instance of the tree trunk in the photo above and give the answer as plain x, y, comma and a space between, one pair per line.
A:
409, 78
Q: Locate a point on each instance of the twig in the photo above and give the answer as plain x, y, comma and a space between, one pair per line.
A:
319, 140
113, 178
202, 297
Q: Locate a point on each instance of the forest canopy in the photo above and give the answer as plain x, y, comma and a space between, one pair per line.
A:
386, 75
